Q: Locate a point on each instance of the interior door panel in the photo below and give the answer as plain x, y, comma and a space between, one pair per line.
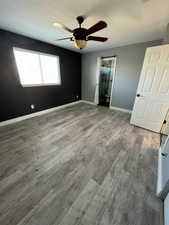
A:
152, 100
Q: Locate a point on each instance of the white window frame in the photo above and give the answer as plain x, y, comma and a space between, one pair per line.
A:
41, 71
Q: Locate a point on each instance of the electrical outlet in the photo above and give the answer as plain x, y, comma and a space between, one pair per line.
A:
32, 106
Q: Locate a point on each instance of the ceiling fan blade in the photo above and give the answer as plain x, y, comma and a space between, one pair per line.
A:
98, 26
62, 39
95, 38
59, 25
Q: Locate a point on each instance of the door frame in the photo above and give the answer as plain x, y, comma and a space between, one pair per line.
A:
96, 97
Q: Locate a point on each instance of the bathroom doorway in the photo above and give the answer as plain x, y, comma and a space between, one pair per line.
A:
106, 80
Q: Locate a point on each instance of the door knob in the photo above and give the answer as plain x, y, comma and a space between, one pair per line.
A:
138, 95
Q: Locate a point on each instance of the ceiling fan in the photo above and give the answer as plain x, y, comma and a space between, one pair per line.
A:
80, 35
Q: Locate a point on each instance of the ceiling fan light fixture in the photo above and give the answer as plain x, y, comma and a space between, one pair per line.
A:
80, 43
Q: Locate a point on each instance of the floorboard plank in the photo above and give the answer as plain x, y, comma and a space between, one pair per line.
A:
83, 165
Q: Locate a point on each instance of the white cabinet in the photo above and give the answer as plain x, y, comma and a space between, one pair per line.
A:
163, 170
166, 210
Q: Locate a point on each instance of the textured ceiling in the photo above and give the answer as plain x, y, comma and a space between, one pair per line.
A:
129, 21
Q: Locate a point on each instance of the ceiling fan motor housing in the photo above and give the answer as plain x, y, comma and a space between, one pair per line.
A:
80, 34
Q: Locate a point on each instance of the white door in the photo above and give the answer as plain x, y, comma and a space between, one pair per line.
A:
165, 126
152, 98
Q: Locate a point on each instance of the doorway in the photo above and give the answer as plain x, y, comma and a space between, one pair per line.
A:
106, 80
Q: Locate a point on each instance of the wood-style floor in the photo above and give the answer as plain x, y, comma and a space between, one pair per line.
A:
82, 165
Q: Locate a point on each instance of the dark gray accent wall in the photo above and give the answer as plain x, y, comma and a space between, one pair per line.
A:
14, 99
128, 68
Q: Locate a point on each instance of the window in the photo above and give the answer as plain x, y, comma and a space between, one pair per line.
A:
37, 69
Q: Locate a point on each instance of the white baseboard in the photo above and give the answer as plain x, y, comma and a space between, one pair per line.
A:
88, 102
18, 119
120, 109
111, 107
15, 120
